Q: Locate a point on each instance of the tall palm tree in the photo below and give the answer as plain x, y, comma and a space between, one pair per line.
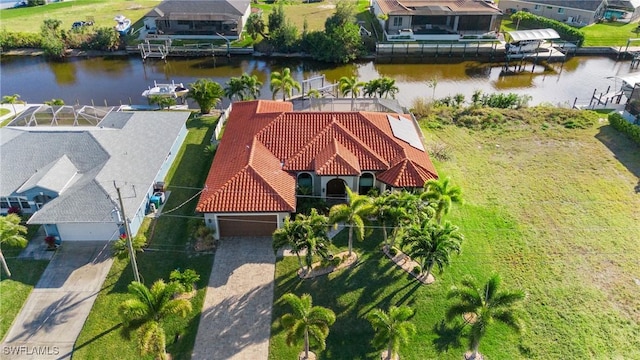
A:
489, 305
353, 214
11, 234
392, 328
234, 89
350, 85
13, 100
207, 93
283, 82
387, 87
146, 310
290, 234
406, 207
313, 95
432, 244
307, 322
442, 194
252, 86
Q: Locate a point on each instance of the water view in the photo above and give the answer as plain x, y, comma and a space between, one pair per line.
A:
122, 79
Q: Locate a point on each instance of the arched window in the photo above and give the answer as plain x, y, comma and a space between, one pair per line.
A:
366, 183
305, 184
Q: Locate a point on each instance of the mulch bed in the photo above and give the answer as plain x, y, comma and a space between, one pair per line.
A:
404, 261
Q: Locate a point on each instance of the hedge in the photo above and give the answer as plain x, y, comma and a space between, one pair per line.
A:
565, 31
621, 124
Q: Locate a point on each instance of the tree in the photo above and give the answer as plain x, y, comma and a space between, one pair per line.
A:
458, 100
305, 232
11, 234
234, 88
52, 42
276, 18
285, 38
307, 322
370, 88
488, 304
433, 83
146, 311
353, 214
392, 328
387, 87
252, 86
206, 93
162, 101
344, 14
13, 100
283, 82
432, 244
442, 194
256, 26
54, 102
350, 85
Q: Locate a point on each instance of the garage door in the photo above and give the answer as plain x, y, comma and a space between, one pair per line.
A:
247, 225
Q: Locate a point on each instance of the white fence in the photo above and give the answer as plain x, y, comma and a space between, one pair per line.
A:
223, 119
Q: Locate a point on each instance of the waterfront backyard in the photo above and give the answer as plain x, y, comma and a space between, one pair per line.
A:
553, 211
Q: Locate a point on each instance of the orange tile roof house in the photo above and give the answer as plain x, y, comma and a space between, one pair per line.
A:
268, 151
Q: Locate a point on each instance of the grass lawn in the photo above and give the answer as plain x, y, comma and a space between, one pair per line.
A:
553, 211
15, 290
610, 34
103, 11
169, 249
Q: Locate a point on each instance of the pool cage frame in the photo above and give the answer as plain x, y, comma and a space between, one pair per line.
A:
61, 115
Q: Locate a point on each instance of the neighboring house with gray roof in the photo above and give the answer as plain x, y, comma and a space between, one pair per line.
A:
576, 12
65, 175
193, 19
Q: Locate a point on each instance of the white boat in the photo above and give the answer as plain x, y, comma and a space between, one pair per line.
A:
172, 90
523, 46
123, 24
628, 84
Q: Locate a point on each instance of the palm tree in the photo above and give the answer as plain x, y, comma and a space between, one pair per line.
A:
350, 85
406, 207
353, 214
488, 304
255, 26
54, 102
234, 88
283, 82
304, 233
206, 93
313, 95
370, 88
392, 328
13, 100
146, 311
121, 248
307, 322
432, 243
387, 87
252, 86
442, 194
11, 234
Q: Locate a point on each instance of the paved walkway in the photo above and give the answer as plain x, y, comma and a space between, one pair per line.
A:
236, 315
56, 309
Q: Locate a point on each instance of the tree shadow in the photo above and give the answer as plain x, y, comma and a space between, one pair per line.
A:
448, 336
623, 149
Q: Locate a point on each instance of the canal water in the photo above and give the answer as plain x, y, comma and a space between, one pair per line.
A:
122, 79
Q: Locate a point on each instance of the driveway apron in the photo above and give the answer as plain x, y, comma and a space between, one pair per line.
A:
236, 315
55, 311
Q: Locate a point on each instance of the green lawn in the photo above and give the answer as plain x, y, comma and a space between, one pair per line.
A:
169, 249
610, 34
553, 211
15, 290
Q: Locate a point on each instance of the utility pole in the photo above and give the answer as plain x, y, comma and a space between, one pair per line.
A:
132, 253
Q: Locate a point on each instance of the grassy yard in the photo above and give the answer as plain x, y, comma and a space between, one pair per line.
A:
102, 11
169, 249
553, 211
15, 290
610, 34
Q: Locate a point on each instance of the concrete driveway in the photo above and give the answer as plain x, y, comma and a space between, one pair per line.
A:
56, 309
236, 315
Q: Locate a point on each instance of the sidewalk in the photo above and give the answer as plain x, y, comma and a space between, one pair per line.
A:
236, 315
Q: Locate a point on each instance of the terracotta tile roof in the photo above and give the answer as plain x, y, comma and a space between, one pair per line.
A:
404, 174
335, 159
266, 143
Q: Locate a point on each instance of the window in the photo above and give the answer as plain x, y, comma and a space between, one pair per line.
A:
560, 10
25, 204
366, 183
305, 184
397, 21
537, 7
14, 202
4, 203
549, 7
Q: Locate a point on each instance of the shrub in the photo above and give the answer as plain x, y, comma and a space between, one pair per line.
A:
440, 151
416, 270
16, 40
393, 251
14, 210
186, 278
631, 130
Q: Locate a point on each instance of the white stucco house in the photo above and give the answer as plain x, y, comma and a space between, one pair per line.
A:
65, 176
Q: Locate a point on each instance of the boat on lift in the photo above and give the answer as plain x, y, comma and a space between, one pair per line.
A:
175, 90
123, 24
